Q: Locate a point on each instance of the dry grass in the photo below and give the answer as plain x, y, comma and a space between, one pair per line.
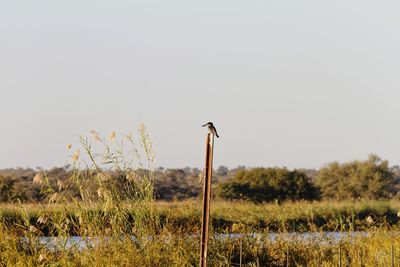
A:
141, 232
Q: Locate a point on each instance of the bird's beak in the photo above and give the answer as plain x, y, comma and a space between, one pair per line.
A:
204, 125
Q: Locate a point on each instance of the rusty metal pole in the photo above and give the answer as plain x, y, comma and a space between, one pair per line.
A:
206, 199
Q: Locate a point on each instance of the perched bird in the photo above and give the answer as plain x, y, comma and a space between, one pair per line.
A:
211, 128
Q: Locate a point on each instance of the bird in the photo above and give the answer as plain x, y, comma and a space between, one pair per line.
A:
211, 128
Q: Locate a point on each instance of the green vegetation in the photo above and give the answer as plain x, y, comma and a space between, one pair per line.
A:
107, 195
174, 240
265, 185
369, 179
287, 217
357, 180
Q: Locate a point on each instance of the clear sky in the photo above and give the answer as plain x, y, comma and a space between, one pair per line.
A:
287, 83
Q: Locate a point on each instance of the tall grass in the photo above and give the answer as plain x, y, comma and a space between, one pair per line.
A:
171, 248
121, 225
130, 156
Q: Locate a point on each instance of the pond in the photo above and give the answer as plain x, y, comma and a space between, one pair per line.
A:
82, 242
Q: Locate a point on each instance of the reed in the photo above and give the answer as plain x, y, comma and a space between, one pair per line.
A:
126, 227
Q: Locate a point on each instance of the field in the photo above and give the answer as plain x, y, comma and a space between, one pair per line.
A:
167, 234
92, 220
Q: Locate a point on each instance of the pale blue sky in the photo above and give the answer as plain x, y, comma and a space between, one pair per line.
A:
287, 83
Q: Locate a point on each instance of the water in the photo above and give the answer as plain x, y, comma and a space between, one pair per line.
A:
81, 243
332, 236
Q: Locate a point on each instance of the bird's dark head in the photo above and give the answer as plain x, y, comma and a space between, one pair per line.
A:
208, 124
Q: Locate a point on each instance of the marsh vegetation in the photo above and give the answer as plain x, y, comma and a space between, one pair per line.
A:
107, 197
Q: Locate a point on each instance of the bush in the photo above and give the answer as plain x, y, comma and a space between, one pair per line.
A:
369, 179
268, 184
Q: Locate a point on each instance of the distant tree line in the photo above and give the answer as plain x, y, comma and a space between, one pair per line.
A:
355, 180
368, 179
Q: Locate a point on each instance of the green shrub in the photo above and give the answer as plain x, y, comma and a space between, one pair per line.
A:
268, 184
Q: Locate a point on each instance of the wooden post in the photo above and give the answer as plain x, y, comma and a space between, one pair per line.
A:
206, 199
